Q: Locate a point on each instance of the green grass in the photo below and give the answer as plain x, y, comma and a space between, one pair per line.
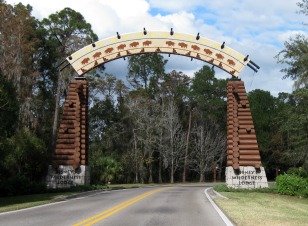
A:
124, 186
256, 208
224, 188
26, 201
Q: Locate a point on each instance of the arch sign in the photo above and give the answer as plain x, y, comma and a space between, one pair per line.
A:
70, 158
187, 45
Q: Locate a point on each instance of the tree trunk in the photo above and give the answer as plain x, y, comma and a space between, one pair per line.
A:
172, 172
136, 162
151, 173
136, 177
172, 176
219, 171
186, 151
141, 177
202, 179
159, 169
56, 113
214, 172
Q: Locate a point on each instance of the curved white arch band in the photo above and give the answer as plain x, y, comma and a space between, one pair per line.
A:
187, 45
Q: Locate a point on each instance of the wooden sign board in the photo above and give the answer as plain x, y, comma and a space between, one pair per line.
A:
187, 45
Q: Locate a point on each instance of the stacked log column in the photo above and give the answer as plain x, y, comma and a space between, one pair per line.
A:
242, 142
72, 141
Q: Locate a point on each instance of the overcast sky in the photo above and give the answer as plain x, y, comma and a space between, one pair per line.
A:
255, 27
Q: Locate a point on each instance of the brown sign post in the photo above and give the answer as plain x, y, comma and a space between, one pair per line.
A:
70, 158
243, 157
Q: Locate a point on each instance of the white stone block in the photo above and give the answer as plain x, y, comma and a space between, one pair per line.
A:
66, 176
248, 177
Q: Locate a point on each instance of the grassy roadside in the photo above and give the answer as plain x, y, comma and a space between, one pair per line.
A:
256, 208
26, 201
126, 186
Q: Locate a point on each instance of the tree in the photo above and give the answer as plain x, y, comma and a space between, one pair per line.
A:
144, 113
303, 7
175, 85
264, 111
104, 168
23, 164
109, 129
294, 129
104, 114
18, 43
281, 127
210, 94
295, 54
292, 116
70, 28
8, 108
186, 163
18, 40
71, 31
104, 85
208, 145
145, 69
173, 146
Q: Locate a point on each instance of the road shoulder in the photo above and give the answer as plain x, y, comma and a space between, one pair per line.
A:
209, 193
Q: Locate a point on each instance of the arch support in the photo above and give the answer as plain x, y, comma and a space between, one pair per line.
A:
244, 168
70, 158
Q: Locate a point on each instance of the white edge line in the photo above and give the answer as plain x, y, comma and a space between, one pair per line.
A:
220, 213
57, 202
34, 207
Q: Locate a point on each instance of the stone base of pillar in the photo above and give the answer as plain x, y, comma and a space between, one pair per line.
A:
246, 177
66, 176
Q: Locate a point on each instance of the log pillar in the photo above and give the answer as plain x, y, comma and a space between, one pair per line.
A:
70, 158
244, 168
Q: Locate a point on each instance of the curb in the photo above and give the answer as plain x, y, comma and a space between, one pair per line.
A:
220, 195
218, 210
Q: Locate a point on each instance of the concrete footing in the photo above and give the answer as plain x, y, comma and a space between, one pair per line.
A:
66, 176
246, 177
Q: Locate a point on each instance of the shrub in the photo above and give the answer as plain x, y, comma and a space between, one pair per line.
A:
225, 188
291, 184
104, 169
23, 164
21, 185
222, 188
301, 172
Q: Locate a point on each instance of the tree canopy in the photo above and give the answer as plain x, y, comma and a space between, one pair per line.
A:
295, 55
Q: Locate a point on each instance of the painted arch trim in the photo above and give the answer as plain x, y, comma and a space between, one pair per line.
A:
112, 48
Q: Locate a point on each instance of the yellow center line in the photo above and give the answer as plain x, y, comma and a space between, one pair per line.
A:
106, 213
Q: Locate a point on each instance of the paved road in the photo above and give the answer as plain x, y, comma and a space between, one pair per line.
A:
179, 205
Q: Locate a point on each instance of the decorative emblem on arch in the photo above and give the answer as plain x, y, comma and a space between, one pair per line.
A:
187, 45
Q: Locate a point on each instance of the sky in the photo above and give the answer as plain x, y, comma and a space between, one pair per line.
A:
258, 28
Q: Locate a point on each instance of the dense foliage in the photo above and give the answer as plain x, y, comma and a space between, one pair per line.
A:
291, 184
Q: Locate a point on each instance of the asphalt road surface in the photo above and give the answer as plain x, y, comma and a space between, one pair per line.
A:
178, 205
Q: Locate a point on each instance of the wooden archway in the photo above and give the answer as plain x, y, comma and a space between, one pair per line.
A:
71, 150
187, 45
